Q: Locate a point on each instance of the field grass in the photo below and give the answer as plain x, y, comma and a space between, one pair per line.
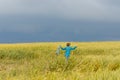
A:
38, 61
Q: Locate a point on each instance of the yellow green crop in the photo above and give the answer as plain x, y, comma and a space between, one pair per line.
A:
38, 61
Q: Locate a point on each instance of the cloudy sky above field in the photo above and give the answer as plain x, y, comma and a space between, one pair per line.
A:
59, 20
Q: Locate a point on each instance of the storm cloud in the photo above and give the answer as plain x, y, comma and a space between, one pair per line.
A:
59, 20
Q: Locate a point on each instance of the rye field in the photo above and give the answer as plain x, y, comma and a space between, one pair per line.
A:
38, 61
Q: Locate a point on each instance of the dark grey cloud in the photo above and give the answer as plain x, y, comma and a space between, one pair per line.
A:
59, 20
54, 29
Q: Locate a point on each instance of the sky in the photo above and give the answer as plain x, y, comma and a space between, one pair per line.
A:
59, 20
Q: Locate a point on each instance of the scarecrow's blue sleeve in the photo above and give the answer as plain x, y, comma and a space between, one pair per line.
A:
74, 48
63, 48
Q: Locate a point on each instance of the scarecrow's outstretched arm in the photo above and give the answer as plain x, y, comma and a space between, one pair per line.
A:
74, 48
62, 48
